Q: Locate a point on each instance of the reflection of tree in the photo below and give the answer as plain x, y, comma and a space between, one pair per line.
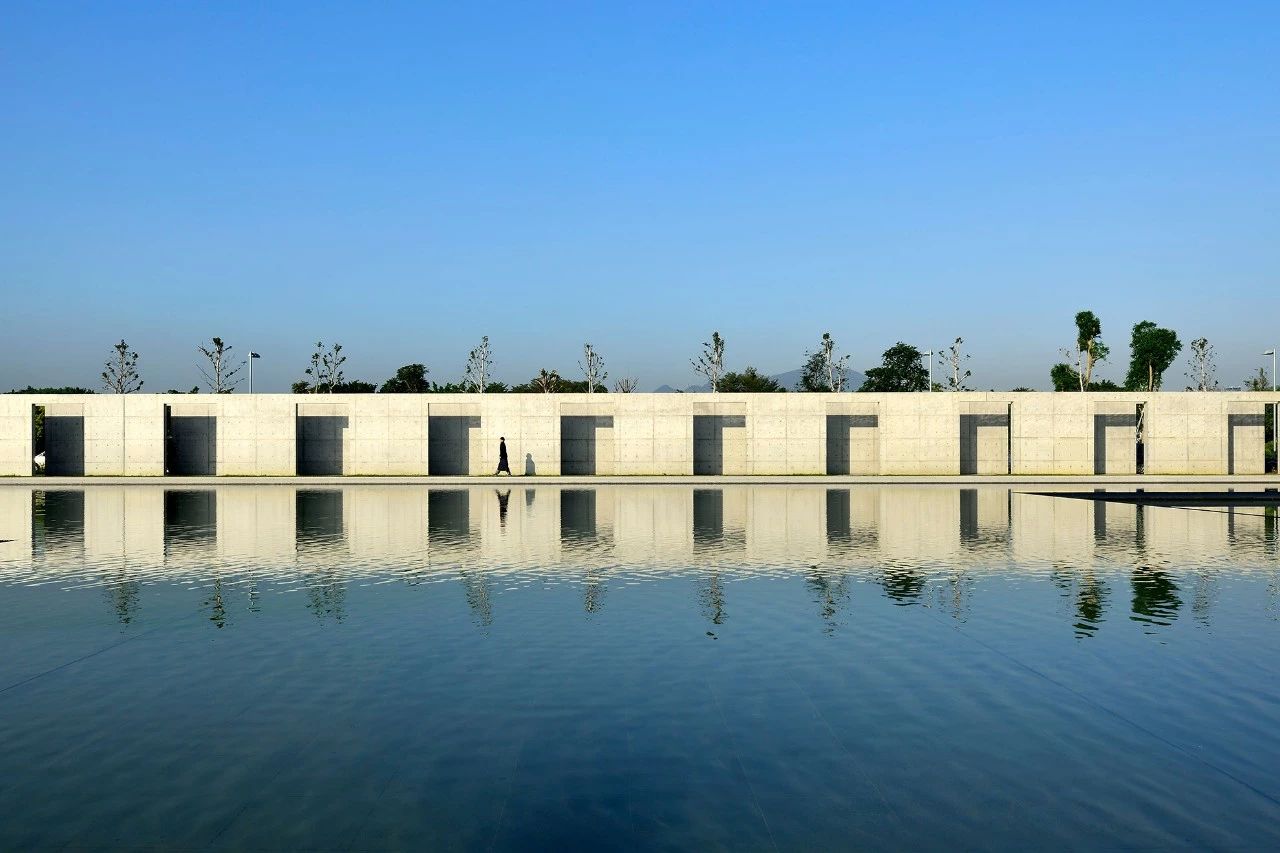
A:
218, 607
593, 593
1091, 604
829, 594
123, 596
1155, 597
327, 597
904, 586
476, 586
712, 596
953, 598
1202, 597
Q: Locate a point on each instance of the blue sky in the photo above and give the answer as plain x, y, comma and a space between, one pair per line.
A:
407, 178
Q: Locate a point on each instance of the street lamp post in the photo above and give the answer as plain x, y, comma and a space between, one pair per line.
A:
253, 356
929, 355
1272, 352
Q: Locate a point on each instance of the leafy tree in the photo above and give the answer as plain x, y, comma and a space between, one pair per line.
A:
479, 362
354, 386
409, 379
546, 382
953, 359
711, 362
1091, 350
900, 370
592, 365
749, 380
195, 389
325, 370
221, 374
1257, 382
822, 370
1151, 351
1202, 371
120, 373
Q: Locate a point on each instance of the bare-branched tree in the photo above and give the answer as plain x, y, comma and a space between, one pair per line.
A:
711, 362
479, 361
222, 374
837, 368
953, 358
1202, 369
547, 381
592, 365
120, 373
326, 368
626, 385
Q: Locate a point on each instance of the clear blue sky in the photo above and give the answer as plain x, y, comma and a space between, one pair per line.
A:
406, 178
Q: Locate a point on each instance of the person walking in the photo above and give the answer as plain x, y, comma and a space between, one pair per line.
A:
503, 464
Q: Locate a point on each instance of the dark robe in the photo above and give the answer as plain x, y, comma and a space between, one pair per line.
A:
503, 464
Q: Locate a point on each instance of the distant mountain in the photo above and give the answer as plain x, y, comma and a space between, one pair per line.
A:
789, 380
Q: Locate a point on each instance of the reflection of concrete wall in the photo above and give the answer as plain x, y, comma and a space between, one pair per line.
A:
734, 434
1052, 530
257, 525
124, 521
15, 524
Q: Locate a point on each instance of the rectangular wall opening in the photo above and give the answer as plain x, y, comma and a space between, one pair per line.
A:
1269, 462
1246, 454
1114, 451
582, 451
449, 444
38, 458
712, 453
984, 443
64, 445
320, 445
851, 444
191, 445
1140, 450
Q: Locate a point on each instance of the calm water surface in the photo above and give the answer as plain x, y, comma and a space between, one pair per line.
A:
648, 667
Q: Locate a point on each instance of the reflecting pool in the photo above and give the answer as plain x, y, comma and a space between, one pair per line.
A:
636, 667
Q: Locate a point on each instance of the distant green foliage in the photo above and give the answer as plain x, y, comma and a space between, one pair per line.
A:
1065, 378
901, 369
66, 389
410, 379
749, 380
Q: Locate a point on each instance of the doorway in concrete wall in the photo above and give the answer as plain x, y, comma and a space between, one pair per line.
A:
586, 444
719, 444
852, 446
1269, 462
320, 446
191, 444
38, 458
984, 442
62, 438
449, 440
1140, 451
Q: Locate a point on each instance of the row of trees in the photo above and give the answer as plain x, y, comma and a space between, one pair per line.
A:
902, 368
1152, 350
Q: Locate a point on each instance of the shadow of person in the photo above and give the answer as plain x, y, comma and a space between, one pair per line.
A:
529, 468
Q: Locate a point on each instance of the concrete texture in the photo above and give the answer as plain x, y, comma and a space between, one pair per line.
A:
732, 435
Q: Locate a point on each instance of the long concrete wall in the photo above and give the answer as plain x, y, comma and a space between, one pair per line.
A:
638, 434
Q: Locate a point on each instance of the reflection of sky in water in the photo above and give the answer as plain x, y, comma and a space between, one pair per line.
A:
391, 666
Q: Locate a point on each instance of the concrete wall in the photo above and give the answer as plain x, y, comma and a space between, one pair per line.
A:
550, 434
